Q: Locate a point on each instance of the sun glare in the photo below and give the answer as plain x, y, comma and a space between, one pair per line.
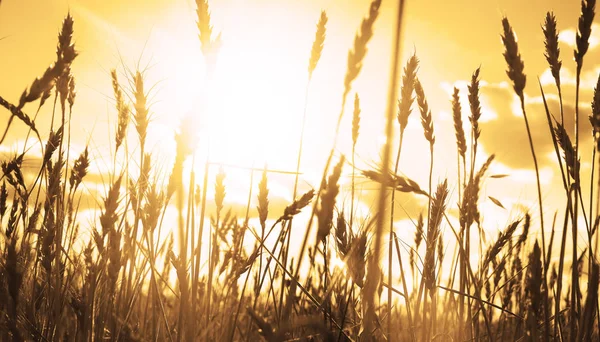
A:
255, 100
284, 170
248, 112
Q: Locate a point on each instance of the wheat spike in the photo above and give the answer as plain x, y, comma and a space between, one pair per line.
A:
359, 51
408, 85
325, 212
595, 116
263, 200
220, 190
3, 198
397, 182
294, 208
513, 58
503, 238
317, 47
205, 28
426, 119
18, 113
155, 200
588, 10
564, 141
458, 124
141, 110
433, 233
72, 93
342, 235
62, 87
552, 53
54, 140
533, 291
469, 210
358, 257
66, 53
122, 111
79, 170
475, 104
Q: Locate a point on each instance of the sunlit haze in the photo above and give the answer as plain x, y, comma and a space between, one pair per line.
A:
245, 112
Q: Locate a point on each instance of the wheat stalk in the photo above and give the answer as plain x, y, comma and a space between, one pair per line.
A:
373, 263
355, 59
517, 76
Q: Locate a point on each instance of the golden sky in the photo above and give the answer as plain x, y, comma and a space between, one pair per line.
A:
252, 112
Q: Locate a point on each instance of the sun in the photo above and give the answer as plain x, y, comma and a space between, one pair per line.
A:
255, 103
249, 112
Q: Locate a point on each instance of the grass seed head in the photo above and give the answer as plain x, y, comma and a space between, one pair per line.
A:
513, 58
552, 53
342, 235
406, 92
220, 190
358, 52
263, 200
141, 118
79, 170
123, 110
3, 199
54, 140
475, 104
595, 116
294, 208
426, 119
461, 143
564, 141
317, 47
325, 212
72, 93
588, 10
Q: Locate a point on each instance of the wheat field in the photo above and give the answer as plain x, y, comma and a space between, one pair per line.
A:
165, 252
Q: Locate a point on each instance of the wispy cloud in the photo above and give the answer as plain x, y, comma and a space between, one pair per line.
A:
568, 36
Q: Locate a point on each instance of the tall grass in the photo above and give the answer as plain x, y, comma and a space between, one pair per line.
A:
138, 276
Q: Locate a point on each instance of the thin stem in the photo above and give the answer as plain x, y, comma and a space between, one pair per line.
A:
537, 171
391, 235
406, 297
352, 190
432, 314
574, 273
373, 262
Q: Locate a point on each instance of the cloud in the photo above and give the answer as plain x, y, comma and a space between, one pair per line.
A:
507, 137
568, 37
588, 81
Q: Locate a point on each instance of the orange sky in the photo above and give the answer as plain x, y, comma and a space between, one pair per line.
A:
252, 112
